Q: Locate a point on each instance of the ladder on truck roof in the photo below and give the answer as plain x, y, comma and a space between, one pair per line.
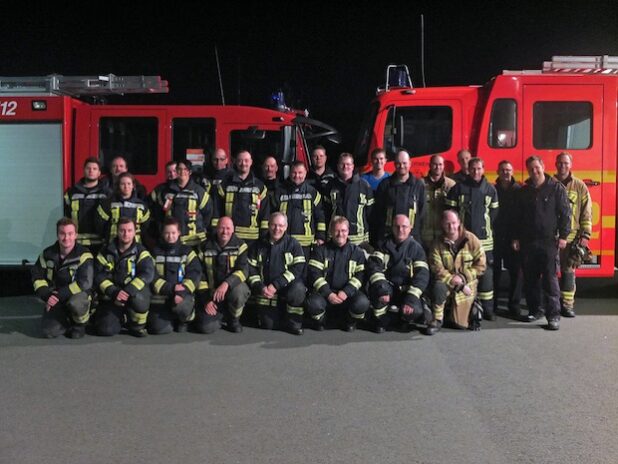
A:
76, 86
601, 64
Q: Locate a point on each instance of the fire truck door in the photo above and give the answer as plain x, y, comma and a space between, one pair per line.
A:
569, 118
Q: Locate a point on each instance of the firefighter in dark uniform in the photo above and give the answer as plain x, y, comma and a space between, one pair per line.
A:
117, 167
189, 203
243, 197
320, 175
216, 170
223, 291
156, 212
123, 203
123, 273
302, 204
398, 275
437, 186
507, 189
270, 168
62, 277
350, 196
177, 275
401, 193
541, 227
336, 274
276, 267
476, 201
81, 202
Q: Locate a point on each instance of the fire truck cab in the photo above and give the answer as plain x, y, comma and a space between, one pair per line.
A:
568, 105
47, 130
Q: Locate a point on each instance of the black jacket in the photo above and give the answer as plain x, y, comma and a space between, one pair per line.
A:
333, 268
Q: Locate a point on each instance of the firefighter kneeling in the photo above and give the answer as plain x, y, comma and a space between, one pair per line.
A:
124, 272
399, 276
456, 262
222, 292
336, 274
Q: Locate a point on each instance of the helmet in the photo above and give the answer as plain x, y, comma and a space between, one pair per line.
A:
578, 254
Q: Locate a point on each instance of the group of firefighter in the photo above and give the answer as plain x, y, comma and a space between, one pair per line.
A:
318, 249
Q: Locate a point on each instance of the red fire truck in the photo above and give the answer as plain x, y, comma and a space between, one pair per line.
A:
568, 105
48, 129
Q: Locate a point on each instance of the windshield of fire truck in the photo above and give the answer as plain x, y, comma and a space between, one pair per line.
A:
260, 143
364, 138
420, 130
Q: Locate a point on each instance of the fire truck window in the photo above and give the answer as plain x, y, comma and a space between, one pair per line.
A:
193, 139
420, 130
260, 143
135, 139
503, 124
562, 125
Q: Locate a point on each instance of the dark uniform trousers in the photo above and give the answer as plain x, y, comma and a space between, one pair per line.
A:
109, 318
272, 312
540, 265
511, 259
353, 307
161, 316
398, 297
233, 305
62, 316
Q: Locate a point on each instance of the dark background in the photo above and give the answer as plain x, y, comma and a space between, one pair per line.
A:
329, 59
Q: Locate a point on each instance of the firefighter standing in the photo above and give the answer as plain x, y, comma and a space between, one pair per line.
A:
377, 174
350, 196
398, 275
276, 266
62, 277
507, 189
189, 203
336, 274
476, 201
463, 158
223, 291
123, 274
302, 204
217, 169
123, 203
119, 166
320, 174
581, 229
270, 168
401, 193
541, 228
243, 197
177, 275
81, 202
437, 186
456, 261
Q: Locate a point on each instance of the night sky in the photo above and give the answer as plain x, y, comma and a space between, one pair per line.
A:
329, 59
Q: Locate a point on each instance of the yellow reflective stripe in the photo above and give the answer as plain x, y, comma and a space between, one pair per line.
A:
253, 279
203, 285
376, 277
105, 285
81, 319
75, 211
298, 260
138, 318
189, 285
321, 226
422, 264
486, 296
229, 203
354, 282
417, 292
449, 202
317, 264
85, 257
250, 233
102, 213
319, 283
241, 275
74, 288
295, 310
40, 283
379, 311
158, 285
287, 275
265, 301
137, 283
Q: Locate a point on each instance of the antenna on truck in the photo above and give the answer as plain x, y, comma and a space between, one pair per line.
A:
219, 73
423, 48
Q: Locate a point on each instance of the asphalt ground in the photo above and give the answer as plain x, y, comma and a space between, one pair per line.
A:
511, 393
